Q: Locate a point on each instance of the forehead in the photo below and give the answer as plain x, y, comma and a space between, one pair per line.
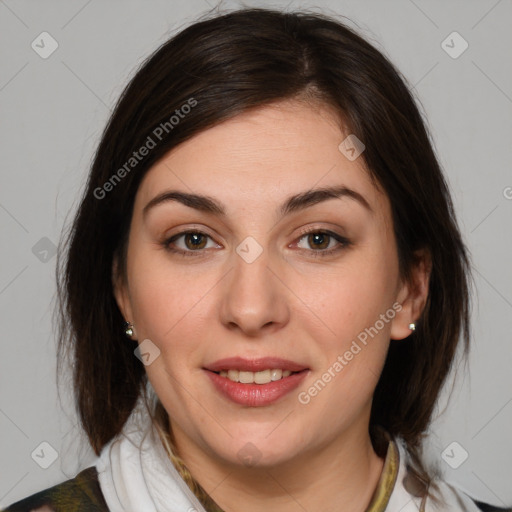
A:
263, 156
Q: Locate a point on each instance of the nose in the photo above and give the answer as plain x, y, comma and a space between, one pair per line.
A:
254, 297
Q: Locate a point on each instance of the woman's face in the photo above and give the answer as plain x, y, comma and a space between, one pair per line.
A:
277, 271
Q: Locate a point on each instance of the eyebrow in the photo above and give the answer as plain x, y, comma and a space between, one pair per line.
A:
294, 203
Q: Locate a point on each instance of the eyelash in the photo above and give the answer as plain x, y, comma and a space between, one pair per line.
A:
342, 241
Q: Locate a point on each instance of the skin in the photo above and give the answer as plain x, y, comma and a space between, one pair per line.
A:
287, 303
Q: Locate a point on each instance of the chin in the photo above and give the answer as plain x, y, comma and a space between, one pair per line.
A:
258, 452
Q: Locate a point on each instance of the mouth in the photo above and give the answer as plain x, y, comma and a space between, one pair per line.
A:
255, 382
255, 371
261, 377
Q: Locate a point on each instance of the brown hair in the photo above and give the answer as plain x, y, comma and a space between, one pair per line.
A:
228, 64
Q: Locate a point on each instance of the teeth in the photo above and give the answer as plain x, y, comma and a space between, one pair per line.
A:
232, 375
263, 377
276, 374
246, 377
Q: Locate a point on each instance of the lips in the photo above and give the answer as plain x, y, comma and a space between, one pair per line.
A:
255, 395
249, 393
254, 365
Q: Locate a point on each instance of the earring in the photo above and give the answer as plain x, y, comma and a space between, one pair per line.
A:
128, 329
412, 326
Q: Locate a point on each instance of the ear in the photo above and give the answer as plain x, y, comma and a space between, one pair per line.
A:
120, 290
412, 296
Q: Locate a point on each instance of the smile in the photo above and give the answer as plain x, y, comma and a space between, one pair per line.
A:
251, 393
262, 377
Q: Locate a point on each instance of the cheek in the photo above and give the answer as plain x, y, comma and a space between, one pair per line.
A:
352, 303
172, 305
354, 297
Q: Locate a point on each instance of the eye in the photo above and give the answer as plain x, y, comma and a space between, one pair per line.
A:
323, 242
188, 243
193, 243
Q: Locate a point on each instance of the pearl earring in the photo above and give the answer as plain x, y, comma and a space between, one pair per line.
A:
412, 326
128, 329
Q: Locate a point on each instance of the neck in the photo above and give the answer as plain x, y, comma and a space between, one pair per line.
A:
345, 471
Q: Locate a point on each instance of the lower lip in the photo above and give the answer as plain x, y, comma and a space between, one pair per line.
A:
256, 395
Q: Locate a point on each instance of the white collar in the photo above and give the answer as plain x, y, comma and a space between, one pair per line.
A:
136, 475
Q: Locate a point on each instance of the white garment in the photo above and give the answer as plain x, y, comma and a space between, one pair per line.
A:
136, 475
452, 499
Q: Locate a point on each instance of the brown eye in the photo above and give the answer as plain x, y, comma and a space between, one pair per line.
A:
319, 240
195, 241
190, 243
322, 243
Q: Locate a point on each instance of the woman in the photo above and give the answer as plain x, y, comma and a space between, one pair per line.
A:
265, 285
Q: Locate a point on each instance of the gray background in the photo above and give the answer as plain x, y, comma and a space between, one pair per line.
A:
53, 111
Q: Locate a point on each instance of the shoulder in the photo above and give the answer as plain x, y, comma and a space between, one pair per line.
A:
462, 496
485, 507
79, 494
440, 494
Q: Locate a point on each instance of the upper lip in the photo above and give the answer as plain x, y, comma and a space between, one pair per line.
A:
254, 365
